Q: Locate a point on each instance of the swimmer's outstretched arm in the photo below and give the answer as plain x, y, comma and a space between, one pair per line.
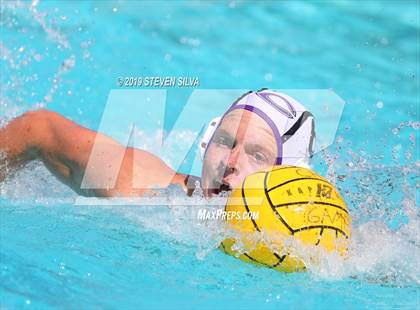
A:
65, 147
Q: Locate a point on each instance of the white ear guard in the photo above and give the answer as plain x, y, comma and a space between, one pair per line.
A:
214, 123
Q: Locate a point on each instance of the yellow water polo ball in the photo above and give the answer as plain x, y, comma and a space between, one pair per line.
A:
283, 209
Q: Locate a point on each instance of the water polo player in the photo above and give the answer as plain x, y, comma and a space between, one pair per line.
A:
260, 129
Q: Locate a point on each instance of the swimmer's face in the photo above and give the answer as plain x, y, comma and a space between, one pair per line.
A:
243, 144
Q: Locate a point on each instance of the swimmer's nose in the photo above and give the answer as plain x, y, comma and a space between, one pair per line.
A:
231, 166
233, 159
228, 166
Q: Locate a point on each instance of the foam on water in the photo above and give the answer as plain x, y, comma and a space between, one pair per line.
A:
377, 253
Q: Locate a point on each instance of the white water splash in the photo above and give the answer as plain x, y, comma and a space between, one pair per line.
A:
377, 253
40, 17
17, 58
65, 67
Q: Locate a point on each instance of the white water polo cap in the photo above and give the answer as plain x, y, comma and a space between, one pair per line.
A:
292, 125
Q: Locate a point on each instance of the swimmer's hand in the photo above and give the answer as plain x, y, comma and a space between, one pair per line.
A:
65, 148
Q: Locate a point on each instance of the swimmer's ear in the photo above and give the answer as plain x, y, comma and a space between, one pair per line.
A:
208, 135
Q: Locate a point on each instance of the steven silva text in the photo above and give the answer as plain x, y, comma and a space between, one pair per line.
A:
204, 215
158, 81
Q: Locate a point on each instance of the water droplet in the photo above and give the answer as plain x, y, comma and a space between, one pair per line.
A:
268, 77
397, 147
384, 41
168, 57
38, 57
235, 73
379, 104
114, 10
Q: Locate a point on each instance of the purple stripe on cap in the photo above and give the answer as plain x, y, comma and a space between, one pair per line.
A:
264, 116
266, 98
268, 120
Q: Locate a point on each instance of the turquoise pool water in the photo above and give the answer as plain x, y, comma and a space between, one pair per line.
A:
67, 56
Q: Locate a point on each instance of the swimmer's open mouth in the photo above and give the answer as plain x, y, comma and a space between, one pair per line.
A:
219, 188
